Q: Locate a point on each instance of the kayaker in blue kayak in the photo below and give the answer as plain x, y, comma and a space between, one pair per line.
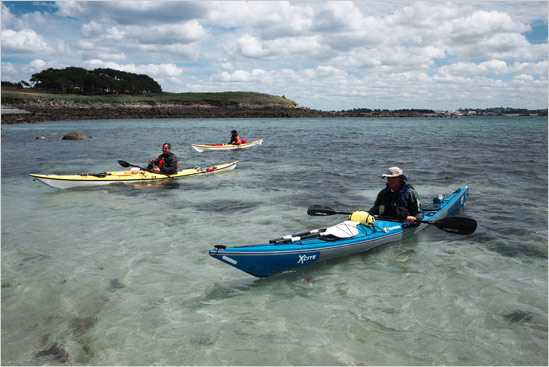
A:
166, 163
235, 139
397, 200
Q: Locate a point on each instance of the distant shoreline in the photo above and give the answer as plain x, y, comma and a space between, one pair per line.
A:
59, 110
33, 112
30, 105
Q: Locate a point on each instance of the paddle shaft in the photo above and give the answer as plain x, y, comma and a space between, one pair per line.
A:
285, 240
455, 225
311, 233
126, 165
388, 219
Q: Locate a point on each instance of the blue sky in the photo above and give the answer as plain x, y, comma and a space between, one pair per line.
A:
324, 55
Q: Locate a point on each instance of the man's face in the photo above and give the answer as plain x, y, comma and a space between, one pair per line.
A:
393, 182
165, 149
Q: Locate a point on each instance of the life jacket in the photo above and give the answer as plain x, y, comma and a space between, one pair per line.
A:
235, 139
160, 162
393, 203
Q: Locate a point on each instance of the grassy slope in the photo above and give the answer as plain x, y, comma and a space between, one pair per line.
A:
10, 95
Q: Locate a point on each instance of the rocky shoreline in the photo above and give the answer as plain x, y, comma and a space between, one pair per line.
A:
48, 110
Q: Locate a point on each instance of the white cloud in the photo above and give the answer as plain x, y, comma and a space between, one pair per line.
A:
91, 29
154, 42
7, 17
250, 46
185, 32
268, 19
225, 65
341, 16
539, 68
153, 70
37, 65
523, 78
242, 76
133, 12
17, 72
469, 68
26, 21
24, 41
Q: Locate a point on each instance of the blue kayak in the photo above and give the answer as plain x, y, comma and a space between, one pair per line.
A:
293, 252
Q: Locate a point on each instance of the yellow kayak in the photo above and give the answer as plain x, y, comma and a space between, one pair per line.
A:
132, 176
222, 147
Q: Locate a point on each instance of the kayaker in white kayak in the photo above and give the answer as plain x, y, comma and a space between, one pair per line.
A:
235, 139
166, 163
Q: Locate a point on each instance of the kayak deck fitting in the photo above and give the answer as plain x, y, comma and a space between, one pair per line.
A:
293, 252
133, 176
223, 147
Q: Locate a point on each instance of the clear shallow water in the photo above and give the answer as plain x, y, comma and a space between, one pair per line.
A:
120, 275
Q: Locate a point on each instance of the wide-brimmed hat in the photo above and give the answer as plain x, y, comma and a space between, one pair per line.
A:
394, 172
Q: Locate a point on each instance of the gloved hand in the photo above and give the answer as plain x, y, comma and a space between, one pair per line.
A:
362, 217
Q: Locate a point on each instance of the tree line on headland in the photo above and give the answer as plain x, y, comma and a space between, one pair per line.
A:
73, 80
76, 94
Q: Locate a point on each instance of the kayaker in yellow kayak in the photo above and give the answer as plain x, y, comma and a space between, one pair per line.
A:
397, 200
166, 163
235, 139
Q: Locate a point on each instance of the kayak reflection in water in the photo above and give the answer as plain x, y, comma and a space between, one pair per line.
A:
235, 139
166, 163
397, 200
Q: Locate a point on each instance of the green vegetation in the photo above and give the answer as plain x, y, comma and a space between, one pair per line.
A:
96, 82
12, 95
79, 85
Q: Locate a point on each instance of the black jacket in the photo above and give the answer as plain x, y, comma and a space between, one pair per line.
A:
167, 163
398, 204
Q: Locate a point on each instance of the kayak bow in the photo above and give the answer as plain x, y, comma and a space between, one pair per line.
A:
133, 176
293, 252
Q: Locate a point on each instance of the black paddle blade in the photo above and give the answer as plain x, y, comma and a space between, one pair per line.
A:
124, 163
319, 210
457, 225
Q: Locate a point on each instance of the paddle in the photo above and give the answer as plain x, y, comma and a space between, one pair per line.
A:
288, 237
456, 225
343, 230
126, 164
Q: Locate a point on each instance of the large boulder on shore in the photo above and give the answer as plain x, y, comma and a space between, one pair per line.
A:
75, 135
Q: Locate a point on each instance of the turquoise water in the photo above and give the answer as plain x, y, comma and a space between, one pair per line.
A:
120, 275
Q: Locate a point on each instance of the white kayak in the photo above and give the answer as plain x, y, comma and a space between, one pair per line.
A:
223, 147
133, 176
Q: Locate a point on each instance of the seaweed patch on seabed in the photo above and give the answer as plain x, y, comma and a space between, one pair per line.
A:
115, 284
519, 316
57, 352
80, 325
